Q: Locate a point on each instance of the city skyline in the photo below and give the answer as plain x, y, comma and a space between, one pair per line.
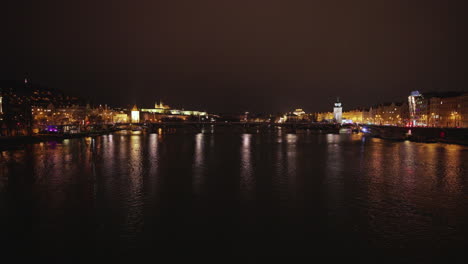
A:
31, 108
222, 56
87, 100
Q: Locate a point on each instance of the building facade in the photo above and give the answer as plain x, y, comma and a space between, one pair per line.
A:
442, 109
338, 112
354, 116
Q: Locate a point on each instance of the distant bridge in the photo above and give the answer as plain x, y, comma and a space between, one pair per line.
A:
245, 126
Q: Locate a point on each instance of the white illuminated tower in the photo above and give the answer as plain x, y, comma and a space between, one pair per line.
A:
338, 111
135, 114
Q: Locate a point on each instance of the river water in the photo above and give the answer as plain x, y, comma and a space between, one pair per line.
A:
250, 195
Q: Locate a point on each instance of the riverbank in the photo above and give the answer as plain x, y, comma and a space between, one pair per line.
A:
457, 136
6, 142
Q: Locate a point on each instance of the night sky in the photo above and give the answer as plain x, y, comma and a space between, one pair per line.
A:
233, 56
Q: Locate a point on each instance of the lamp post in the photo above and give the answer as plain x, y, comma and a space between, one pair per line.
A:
455, 119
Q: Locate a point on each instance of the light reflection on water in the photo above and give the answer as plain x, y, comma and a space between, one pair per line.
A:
291, 163
198, 163
247, 177
127, 190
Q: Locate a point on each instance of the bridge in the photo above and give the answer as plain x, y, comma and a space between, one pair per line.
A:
236, 126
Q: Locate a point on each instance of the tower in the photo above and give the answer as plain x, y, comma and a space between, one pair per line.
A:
338, 111
135, 114
159, 106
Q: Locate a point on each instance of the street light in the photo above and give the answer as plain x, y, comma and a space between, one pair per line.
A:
454, 116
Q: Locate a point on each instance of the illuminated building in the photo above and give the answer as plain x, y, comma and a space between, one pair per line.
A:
164, 112
389, 114
165, 109
354, 116
298, 115
158, 109
325, 117
135, 114
337, 112
447, 109
75, 117
28, 107
299, 112
120, 117
1, 108
438, 109
464, 110
69, 118
417, 109
161, 106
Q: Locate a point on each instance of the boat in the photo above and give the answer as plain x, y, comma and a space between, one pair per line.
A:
346, 130
137, 128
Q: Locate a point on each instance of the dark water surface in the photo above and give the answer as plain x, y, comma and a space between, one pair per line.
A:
252, 195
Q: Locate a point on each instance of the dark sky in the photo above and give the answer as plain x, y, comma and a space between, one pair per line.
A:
252, 55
